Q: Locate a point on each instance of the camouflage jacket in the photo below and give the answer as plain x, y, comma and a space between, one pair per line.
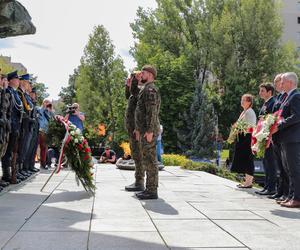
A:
132, 96
147, 110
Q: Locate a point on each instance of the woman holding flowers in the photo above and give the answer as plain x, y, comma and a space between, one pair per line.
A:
243, 157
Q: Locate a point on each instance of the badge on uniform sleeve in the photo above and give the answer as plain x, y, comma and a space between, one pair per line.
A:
152, 96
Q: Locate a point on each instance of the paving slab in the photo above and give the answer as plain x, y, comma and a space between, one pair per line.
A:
126, 241
48, 240
195, 210
194, 233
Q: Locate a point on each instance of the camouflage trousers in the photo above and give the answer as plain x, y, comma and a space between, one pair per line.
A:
150, 163
137, 157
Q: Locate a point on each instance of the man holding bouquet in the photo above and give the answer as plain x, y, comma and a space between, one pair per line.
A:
266, 91
289, 136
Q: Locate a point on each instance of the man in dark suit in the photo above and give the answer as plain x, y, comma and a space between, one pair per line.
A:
289, 136
266, 91
283, 180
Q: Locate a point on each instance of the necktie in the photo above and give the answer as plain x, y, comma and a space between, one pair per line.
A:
283, 97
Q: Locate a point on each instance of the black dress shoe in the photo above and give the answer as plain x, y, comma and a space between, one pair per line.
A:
268, 193
134, 187
34, 170
24, 173
261, 191
147, 195
21, 177
4, 183
274, 196
280, 199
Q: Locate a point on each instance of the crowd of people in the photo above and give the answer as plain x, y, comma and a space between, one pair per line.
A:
282, 158
20, 127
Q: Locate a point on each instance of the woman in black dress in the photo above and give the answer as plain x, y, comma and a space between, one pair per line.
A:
243, 157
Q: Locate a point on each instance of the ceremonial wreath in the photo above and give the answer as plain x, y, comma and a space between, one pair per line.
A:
66, 136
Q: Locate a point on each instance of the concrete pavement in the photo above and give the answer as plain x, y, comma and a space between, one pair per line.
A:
195, 210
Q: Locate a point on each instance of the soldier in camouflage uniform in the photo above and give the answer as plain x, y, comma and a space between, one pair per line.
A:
132, 90
147, 128
5, 113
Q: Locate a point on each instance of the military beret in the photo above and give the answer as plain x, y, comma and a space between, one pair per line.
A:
25, 77
12, 75
151, 69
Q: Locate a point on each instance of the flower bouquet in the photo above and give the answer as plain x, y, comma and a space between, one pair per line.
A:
237, 128
66, 136
262, 134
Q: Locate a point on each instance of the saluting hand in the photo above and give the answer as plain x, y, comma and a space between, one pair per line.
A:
148, 136
137, 134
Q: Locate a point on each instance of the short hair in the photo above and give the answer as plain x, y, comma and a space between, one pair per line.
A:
268, 86
249, 98
278, 77
75, 104
291, 76
46, 100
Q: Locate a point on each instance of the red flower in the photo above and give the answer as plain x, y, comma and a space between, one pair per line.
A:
86, 157
87, 150
80, 146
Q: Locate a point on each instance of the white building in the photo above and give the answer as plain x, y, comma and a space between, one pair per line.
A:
291, 19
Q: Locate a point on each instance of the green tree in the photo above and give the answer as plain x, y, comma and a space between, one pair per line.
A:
5, 67
41, 91
238, 41
100, 84
68, 94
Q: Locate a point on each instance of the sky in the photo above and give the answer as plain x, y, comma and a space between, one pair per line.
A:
63, 28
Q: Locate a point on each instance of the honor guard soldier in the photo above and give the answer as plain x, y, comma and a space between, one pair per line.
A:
25, 132
5, 113
131, 91
9, 158
29, 162
147, 128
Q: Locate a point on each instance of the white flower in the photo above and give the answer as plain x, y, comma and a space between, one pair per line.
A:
261, 135
76, 140
270, 120
72, 133
255, 147
78, 131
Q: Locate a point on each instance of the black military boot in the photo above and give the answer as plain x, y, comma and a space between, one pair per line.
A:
4, 183
147, 195
136, 186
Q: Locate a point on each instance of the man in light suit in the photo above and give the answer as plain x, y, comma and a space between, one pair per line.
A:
289, 136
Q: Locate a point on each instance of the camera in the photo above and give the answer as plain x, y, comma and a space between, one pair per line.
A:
71, 109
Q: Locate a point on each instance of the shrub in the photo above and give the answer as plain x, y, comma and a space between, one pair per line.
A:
183, 162
200, 166
174, 160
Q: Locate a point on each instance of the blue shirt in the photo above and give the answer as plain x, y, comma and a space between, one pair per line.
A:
44, 118
76, 121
